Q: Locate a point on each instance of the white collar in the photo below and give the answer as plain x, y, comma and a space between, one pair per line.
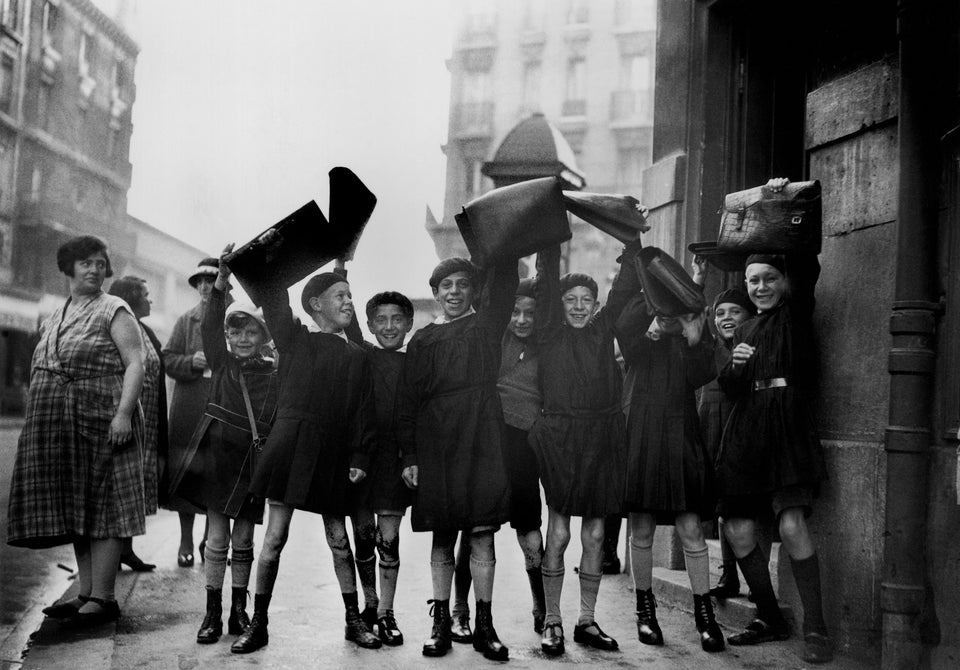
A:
402, 350
442, 319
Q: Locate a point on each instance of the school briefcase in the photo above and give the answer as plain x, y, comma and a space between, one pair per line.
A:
614, 214
305, 240
667, 287
514, 221
760, 220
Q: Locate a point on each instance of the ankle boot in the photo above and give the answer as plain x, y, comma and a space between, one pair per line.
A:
485, 637
460, 630
212, 627
439, 643
728, 586
711, 638
255, 635
648, 629
357, 631
539, 599
238, 619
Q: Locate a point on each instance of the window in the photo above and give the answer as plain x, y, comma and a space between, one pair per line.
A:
634, 73
473, 178
531, 85
6, 168
118, 78
113, 138
36, 183
6, 83
10, 13
85, 57
43, 105
50, 23
575, 100
578, 12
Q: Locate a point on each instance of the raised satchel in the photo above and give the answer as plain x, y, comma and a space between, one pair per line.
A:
760, 220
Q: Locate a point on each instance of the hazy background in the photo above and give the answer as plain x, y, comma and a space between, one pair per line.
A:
243, 107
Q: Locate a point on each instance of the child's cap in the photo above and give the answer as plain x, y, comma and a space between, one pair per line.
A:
735, 296
247, 309
574, 279
448, 266
316, 285
774, 260
526, 288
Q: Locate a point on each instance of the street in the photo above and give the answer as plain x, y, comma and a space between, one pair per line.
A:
163, 609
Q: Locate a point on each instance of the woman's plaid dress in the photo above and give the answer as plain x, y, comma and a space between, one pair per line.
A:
67, 481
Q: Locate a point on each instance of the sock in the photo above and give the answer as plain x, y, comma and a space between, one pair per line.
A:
535, 575
388, 585
698, 569
241, 562
482, 573
261, 603
367, 569
441, 573
806, 572
757, 574
462, 578
266, 576
589, 587
641, 561
216, 565
350, 600
552, 588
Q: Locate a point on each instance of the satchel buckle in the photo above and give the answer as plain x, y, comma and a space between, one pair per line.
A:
258, 444
741, 215
796, 219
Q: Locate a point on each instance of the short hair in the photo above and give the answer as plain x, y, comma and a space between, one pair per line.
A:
390, 298
131, 289
79, 248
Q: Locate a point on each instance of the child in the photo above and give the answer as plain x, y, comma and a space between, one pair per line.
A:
219, 460
579, 439
320, 442
770, 454
389, 319
669, 472
451, 424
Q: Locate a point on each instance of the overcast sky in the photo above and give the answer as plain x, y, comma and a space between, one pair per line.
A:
243, 107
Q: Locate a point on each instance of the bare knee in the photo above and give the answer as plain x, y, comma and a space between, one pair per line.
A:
591, 534
741, 533
793, 527
690, 531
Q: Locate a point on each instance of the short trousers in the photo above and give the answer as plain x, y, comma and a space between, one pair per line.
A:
753, 505
524, 475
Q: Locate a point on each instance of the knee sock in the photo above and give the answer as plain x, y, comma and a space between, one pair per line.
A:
388, 584
535, 575
698, 569
806, 572
756, 572
350, 600
462, 579
641, 560
589, 587
482, 573
215, 565
552, 588
241, 561
441, 573
367, 569
266, 575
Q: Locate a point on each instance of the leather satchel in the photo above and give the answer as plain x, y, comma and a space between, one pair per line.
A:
614, 214
667, 287
759, 220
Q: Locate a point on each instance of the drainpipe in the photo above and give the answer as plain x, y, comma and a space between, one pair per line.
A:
912, 353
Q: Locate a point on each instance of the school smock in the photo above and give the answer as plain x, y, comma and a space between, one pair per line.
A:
713, 405
217, 467
580, 437
771, 440
450, 417
324, 423
668, 467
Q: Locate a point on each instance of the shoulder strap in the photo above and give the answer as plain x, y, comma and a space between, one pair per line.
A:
253, 421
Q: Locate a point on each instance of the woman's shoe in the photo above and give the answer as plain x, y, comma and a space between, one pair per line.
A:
134, 562
185, 560
66, 610
552, 640
595, 638
109, 612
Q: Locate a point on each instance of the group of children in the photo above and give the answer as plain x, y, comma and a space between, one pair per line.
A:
516, 383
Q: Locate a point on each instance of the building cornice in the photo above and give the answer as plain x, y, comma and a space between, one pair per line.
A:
78, 158
107, 25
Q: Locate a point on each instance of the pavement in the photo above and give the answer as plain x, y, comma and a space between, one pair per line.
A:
163, 609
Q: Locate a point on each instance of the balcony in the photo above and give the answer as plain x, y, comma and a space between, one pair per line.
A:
478, 30
574, 108
473, 120
631, 109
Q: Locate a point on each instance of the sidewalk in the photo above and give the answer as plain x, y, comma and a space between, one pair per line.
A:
162, 611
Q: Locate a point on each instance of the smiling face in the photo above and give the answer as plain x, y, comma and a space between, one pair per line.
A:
454, 294
245, 341
521, 321
333, 309
579, 306
390, 326
89, 274
766, 285
727, 316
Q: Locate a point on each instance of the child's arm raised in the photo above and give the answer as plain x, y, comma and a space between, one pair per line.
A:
211, 325
548, 311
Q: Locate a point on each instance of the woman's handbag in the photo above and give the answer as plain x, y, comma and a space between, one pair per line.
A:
761, 220
667, 287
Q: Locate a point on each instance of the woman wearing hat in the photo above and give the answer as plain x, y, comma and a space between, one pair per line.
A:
217, 469
450, 427
186, 363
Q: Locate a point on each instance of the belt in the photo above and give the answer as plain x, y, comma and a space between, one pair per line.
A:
773, 383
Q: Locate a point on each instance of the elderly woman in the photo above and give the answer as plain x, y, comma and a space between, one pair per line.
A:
153, 400
78, 475
187, 365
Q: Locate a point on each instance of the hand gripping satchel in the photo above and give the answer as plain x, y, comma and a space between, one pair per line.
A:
760, 220
667, 287
614, 214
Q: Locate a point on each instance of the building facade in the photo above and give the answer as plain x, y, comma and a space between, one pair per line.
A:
586, 66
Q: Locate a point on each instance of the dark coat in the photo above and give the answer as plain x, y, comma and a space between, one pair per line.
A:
217, 467
450, 417
771, 441
580, 437
325, 421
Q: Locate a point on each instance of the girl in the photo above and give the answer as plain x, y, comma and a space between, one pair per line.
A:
219, 460
579, 439
770, 454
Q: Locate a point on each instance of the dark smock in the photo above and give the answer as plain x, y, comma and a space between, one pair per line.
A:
217, 468
771, 441
580, 438
450, 417
669, 470
713, 405
324, 423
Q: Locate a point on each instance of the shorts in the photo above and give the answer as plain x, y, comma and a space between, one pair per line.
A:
753, 505
524, 476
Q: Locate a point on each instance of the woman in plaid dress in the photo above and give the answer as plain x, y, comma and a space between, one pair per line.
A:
78, 475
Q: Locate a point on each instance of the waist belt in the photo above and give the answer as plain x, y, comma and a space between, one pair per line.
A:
773, 383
